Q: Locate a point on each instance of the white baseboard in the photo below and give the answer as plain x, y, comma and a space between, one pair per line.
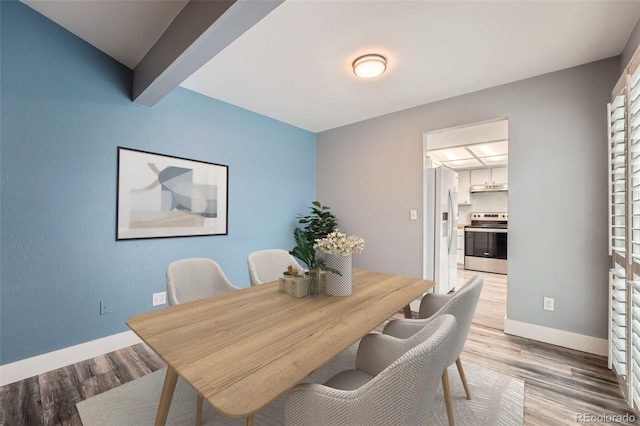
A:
566, 339
29, 367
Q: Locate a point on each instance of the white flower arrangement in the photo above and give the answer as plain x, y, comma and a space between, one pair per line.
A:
340, 244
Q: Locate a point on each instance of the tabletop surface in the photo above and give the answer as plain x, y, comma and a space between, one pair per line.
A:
240, 350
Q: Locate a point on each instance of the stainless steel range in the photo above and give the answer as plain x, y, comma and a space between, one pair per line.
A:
485, 243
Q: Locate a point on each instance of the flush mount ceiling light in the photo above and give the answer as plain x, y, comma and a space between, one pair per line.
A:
369, 66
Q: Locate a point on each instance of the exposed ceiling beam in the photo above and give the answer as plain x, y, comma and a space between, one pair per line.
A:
200, 31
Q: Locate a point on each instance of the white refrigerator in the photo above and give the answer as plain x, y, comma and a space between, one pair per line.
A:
440, 228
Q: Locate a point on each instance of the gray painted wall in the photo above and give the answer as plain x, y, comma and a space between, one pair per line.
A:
630, 48
370, 173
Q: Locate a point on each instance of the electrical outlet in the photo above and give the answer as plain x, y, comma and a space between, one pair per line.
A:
548, 304
159, 298
413, 214
105, 307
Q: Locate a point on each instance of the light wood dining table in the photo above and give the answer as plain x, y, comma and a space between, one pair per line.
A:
240, 350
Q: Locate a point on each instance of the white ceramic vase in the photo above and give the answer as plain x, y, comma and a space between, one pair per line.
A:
338, 285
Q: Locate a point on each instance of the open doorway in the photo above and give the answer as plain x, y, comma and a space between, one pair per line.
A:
477, 243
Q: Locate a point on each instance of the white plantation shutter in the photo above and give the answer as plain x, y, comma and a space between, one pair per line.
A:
633, 160
634, 358
618, 176
618, 330
620, 235
624, 234
633, 272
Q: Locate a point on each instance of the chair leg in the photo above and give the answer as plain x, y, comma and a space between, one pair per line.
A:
463, 377
199, 411
447, 396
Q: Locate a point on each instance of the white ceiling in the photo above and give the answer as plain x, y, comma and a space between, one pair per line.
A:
295, 64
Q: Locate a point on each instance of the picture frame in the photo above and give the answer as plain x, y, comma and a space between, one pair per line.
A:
162, 196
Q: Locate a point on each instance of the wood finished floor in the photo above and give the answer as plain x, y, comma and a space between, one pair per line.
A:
559, 383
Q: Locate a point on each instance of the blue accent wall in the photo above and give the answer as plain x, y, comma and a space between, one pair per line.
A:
65, 108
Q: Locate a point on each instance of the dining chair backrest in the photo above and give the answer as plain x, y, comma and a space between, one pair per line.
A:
462, 305
269, 265
195, 278
377, 351
403, 393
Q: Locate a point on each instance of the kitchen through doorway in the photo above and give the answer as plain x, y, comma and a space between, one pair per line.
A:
469, 236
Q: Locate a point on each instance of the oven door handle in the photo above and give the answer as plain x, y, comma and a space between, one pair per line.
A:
496, 230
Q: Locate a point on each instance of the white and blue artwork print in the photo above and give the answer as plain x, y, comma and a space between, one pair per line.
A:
162, 196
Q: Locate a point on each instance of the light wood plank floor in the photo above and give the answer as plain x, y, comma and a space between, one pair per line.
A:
559, 383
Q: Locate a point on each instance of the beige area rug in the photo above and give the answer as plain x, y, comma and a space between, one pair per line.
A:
498, 399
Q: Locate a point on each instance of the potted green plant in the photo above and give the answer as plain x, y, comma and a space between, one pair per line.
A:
303, 250
318, 224
307, 255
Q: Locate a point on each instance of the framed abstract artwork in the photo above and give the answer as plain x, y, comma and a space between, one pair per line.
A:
160, 196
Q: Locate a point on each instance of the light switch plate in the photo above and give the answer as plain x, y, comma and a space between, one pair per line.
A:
413, 214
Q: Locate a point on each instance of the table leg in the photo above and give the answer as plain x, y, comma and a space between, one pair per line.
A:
199, 411
407, 312
248, 421
165, 398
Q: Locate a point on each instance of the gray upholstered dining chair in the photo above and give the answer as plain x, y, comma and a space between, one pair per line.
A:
192, 279
268, 265
462, 305
195, 278
377, 391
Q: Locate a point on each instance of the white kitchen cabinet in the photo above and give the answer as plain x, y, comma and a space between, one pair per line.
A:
499, 175
493, 176
464, 197
480, 176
